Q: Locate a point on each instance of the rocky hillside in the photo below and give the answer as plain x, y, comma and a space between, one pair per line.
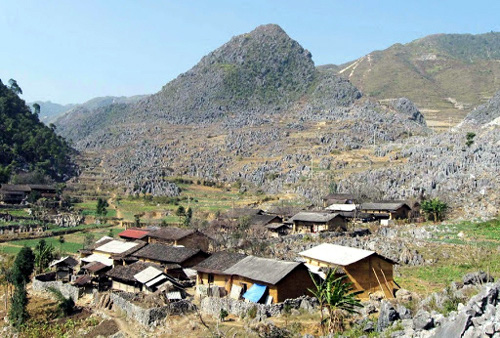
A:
255, 111
446, 75
443, 165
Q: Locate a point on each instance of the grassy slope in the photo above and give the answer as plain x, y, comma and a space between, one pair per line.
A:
465, 68
459, 249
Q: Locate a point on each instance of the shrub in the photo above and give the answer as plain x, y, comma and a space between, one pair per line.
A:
223, 314
252, 312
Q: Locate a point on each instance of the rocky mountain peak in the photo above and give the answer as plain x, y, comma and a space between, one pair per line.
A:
263, 70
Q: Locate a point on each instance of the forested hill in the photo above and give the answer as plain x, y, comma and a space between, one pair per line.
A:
26, 144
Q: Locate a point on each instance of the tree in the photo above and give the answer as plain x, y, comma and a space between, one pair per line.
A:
189, 215
337, 296
20, 276
435, 208
18, 314
36, 108
180, 211
470, 138
5, 275
15, 87
23, 266
101, 207
44, 254
88, 240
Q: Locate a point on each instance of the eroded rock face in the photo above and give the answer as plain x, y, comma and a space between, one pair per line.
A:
387, 315
485, 114
408, 108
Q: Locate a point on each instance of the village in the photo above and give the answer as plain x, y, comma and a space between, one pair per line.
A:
154, 272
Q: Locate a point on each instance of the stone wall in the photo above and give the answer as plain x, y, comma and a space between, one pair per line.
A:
67, 290
213, 306
148, 317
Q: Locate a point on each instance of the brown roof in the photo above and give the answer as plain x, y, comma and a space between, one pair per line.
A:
276, 226
42, 187
126, 272
16, 187
171, 233
218, 262
94, 266
264, 219
166, 253
83, 280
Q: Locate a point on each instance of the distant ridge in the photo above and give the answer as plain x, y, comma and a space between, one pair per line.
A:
446, 75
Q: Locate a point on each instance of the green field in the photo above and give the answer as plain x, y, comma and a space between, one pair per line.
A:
72, 242
458, 249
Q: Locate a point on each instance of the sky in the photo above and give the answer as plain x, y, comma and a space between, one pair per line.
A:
69, 51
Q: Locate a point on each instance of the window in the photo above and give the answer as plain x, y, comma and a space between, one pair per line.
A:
210, 278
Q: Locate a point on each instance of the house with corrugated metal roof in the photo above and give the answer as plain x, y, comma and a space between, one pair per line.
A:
306, 222
368, 271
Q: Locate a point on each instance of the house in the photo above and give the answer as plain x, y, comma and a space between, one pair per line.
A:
166, 254
133, 234
277, 229
263, 220
189, 238
268, 280
122, 276
43, 190
141, 277
95, 269
11, 196
16, 193
64, 268
105, 249
210, 272
368, 271
387, 210
305, 222
339, 199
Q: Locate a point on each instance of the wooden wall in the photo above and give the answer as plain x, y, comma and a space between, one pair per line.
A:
364, 278
294, 285
124, 287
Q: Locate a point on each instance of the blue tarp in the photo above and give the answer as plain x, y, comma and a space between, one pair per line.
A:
255, 293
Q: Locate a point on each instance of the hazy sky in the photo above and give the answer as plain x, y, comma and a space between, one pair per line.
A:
69, 51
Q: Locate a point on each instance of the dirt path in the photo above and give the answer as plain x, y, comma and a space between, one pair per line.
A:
125, 325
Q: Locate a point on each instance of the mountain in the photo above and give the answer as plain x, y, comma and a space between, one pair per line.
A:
446, 75
257, 97
50, 112
26, 144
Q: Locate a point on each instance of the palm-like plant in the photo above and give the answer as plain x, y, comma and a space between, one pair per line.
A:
336, 295
44, 253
